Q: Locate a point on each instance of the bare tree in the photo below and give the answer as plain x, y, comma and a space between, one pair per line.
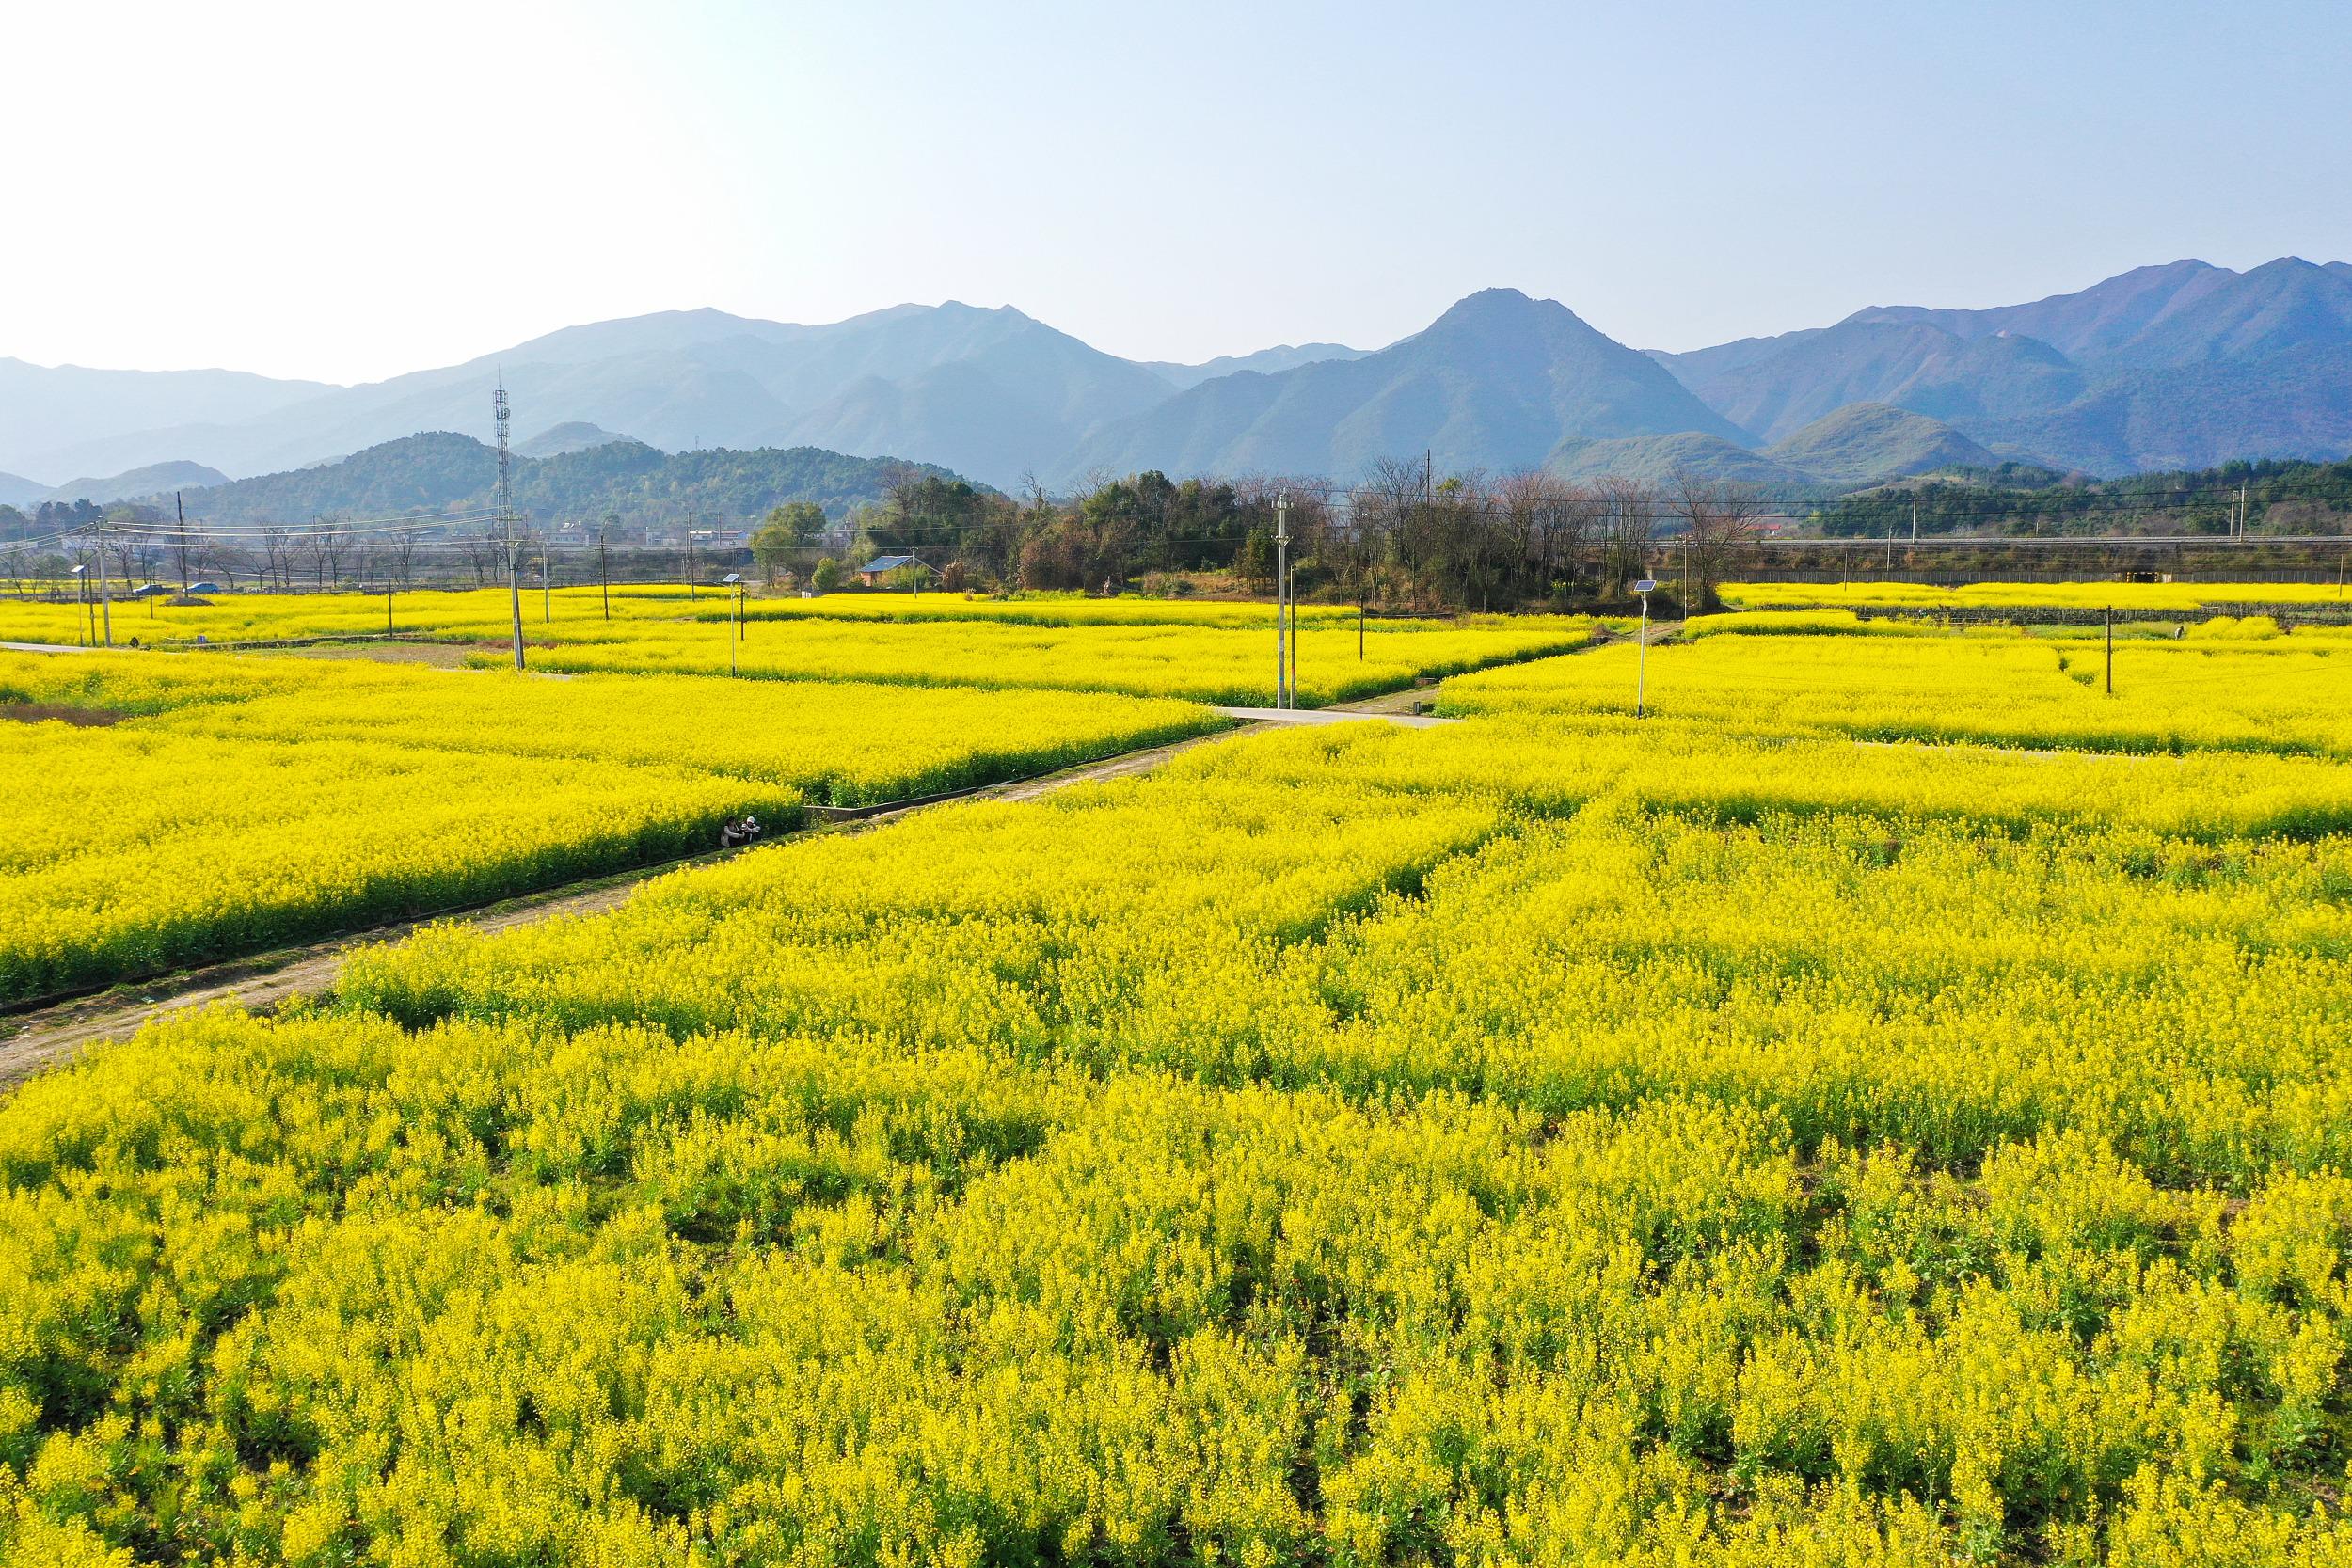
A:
133, 550
1716, 519
277, 554
316, 544
334, 547
1626, 516
188, 553
401, 555
486, 556
229, 561
1567, 528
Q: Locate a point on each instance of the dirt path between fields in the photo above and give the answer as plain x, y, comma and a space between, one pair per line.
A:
34, 1040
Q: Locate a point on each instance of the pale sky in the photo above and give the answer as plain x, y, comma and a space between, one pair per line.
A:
347, 191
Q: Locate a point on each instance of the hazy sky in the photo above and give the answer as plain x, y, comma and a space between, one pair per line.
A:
347, 191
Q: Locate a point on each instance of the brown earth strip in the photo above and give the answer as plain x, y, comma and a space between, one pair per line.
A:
52, 1034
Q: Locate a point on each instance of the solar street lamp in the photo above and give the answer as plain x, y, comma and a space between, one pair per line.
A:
1641, 647
733, 582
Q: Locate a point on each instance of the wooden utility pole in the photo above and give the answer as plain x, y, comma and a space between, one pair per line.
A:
2111, 650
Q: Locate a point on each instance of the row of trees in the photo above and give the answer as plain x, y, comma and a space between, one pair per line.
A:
321, 556
1405, 537
2017, 500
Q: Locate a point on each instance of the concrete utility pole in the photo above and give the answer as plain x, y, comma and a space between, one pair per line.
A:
105, 597
506, 522
1282, 696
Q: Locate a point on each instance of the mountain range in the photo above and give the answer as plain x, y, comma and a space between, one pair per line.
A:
2177, 365
2172, 366
579, 477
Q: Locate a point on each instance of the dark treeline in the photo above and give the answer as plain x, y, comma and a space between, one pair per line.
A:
2020, 500
1407, 538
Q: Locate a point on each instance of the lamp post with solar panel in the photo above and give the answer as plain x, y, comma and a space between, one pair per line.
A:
733, 581
1641, 646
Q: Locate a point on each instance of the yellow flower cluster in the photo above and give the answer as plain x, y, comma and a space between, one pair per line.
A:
2273, 693
2186, 597
1209, 664
251, 801
1208, 651
1715, 1142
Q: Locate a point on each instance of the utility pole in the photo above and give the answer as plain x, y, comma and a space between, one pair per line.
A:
105, 598
182, 513
506, 521
690, 561
1914, 515
1282, 577
2111, 650
734, 585
604, 568
546, 595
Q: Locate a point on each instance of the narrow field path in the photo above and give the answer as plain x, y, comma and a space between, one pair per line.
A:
1332, 716
34, 1040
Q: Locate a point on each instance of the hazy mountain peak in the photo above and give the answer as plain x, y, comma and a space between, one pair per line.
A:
1496, 309
1281, 357
2183, 364
2099, 379
571, 435
1864, 442
1499, 380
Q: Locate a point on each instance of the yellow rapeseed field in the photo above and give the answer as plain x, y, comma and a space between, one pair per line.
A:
1784, 1131
2189, 598
2259, 692
241, 802
1199, 650
1209, 664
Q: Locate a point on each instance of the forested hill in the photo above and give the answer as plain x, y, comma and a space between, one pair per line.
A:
2281, 497
438, 471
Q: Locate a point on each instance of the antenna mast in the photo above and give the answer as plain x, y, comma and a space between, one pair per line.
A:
506, 519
